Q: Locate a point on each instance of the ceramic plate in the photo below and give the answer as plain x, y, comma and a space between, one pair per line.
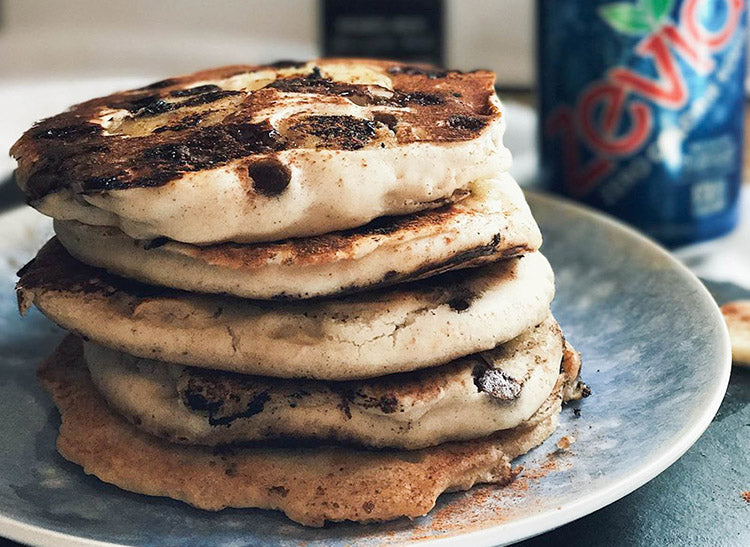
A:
656, 356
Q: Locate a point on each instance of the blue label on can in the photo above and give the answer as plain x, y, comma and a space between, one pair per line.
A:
642, 109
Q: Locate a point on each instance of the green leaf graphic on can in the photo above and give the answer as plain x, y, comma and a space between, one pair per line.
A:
657, 9
636, 19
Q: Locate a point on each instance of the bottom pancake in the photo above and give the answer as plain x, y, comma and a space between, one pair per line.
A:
311, 485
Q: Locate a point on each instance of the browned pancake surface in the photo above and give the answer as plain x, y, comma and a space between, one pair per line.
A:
184, 124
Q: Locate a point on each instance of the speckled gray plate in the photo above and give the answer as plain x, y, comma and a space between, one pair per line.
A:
656, 355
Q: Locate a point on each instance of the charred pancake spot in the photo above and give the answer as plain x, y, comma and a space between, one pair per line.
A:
150, 105
103, 183
153, 105
305, 84
68, 132
270, 176
187, 122
344, 132
431, 73
198, 90
418, 98
259, 137
497, 384
466, 123
176, 153
205, 98
315, 83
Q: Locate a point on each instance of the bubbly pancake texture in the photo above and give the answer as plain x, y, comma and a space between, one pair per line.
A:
492, 223
262, 153
398, 329
468, 398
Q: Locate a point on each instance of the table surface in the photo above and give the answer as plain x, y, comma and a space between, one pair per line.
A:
698, 500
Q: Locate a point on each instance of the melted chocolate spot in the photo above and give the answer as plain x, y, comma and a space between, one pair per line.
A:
200, 396
198, 90
150, 105
386, 119
205, 98
344, 132
467, 123
431, 73
417, 97
68, 132
185, 123
458, 304
270, 176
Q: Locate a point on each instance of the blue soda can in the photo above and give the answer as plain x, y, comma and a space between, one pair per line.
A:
641, 110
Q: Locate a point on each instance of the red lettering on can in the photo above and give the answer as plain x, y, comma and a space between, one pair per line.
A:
579, 179
604, 137
715, 40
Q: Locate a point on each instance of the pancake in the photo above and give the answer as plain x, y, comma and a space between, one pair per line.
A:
263, 153
737, 316
468, 398
310, 484
493, 222
403, 328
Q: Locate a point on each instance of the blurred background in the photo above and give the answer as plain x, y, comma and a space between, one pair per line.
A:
56, 53
72, 38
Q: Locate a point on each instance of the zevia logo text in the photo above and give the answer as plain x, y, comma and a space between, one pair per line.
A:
613, 116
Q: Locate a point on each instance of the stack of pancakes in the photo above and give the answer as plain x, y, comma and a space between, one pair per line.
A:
311, 287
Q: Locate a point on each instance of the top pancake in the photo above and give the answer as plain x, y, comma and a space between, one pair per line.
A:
260, 153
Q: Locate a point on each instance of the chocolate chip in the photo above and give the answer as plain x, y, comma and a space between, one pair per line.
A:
419, 98
467, 123
458, 304
270, 176
386, 119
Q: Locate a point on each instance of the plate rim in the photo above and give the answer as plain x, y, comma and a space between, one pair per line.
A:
527, 527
